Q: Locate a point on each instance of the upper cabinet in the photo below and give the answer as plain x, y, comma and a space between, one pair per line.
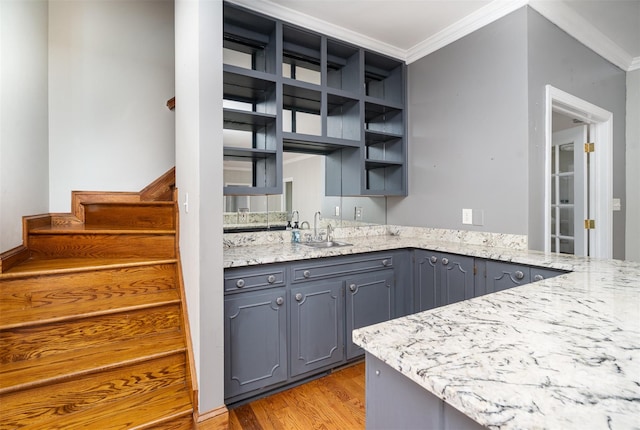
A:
290, 89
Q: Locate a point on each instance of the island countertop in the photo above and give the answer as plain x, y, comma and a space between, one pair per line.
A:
559, 353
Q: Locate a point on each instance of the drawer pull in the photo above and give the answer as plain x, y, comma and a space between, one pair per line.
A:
353, 287
385, 262
538, 278
445, 261
519, 274
279, 301
271, 279
434, 259
306, 273
240, 283
299, 297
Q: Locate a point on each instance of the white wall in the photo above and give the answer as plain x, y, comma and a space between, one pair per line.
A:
633, 167
198, 70
23, 116
111, 71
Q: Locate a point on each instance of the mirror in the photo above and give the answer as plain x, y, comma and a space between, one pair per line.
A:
303, 186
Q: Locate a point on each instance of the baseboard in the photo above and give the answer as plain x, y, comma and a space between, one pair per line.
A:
13, 257
217, 419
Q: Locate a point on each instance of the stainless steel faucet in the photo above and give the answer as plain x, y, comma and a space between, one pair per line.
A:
329, 233
316, 217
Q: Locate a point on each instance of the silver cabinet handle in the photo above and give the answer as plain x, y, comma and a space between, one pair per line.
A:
306, 273
538, 278
518, 274
271, 279
353, 287
279, 301
298, 297
434, 259
445, 261
240, 283
385, 262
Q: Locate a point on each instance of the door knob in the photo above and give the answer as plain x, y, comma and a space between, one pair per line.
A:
240, 283
538, 278
518, 274
279, 301
353, 287
434, 259
271, 279
306, 273
299, 297
445, 261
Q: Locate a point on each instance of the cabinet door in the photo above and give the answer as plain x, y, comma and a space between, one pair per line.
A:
426, 279
317, 326
255, 341
456, 282
540, 273
370, 300
501, 276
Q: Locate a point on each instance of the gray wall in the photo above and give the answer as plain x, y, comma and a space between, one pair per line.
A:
468, 132
632, 205
557, 59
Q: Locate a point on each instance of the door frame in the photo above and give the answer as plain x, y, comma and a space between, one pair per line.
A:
601, 182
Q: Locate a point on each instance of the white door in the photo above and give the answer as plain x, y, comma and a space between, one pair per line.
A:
569, 191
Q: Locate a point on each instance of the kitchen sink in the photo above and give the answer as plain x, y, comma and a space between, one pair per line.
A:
326, 244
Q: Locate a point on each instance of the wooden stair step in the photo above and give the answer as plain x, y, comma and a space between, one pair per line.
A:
51, 266
25, 374
151, 215
28, 301
122, 398
59, 242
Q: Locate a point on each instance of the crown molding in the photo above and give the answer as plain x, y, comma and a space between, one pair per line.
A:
575, 25
555, 11
307, 21
472, 22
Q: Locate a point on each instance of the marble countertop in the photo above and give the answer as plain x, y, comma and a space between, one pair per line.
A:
559, 353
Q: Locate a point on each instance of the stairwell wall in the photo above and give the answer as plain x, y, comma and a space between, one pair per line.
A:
111, 71
24, 177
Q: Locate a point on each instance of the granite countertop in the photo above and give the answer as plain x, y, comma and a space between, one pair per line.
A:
559, 353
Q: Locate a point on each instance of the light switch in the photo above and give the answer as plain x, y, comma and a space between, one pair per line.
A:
616, 205
467, 216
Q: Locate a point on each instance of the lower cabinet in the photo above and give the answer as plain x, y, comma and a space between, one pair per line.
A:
441, 279
370, 300
317, 326
499, 275
255, 341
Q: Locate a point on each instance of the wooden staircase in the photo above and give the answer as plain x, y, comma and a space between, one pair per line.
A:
93, 325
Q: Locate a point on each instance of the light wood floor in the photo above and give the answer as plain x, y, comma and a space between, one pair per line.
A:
335, 401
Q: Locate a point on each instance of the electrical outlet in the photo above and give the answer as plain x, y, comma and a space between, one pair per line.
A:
467, 216
358, 213
337, 212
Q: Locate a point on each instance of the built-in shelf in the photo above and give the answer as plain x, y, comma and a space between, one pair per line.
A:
290, 89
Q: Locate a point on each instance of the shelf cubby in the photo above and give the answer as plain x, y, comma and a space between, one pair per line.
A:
384, 178
383, 119
301, 55
249, 40
343, 117
384, 147
384, 78
343, 67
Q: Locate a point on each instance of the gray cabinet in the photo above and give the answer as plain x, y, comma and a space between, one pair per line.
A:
369, 300
317, 326
255, 341
493, 276
441, 279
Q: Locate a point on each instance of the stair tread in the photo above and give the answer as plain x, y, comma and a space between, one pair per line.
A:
126, 397
101, 229
40, 300
48, 369
47, 266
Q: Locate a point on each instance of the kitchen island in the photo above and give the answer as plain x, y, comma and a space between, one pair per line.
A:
563, 353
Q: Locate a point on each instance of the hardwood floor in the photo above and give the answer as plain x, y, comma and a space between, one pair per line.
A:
335, 401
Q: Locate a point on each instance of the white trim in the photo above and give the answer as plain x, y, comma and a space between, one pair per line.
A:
472, 22
307, 21
575, 25
555, 11
602, 120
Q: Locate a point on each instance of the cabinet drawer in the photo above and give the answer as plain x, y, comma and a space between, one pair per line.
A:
340, 266
243, 279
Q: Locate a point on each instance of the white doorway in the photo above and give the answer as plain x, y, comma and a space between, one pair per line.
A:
588, 208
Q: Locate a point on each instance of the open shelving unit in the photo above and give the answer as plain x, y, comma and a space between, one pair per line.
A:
290, 89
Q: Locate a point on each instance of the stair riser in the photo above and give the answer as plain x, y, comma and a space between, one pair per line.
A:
70, 295
88, 245
150, 216
56, 405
